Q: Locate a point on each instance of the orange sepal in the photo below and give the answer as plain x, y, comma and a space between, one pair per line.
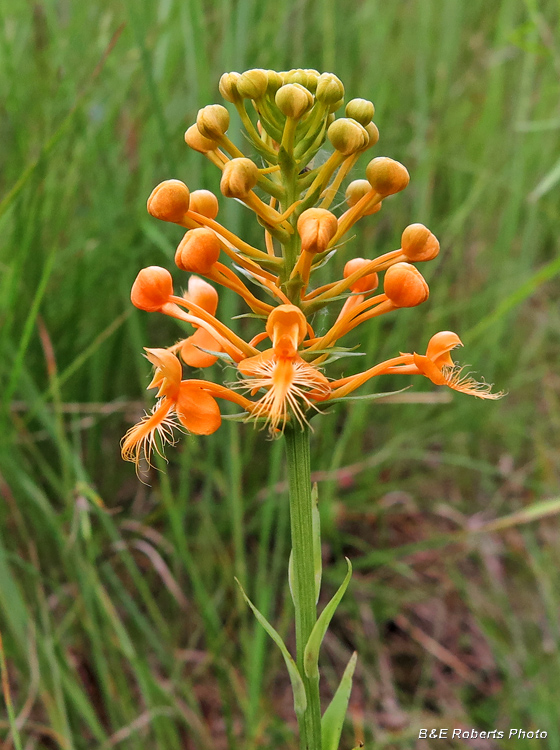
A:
193, 356
197, 410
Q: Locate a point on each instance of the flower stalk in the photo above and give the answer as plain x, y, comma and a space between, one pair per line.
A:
303, 572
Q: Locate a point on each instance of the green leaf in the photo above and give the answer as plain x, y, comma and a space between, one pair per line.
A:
366, 397
317, 557
300, 699
220, 355
333, 718
311, 653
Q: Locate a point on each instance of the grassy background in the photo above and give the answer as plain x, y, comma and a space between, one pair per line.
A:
120, 619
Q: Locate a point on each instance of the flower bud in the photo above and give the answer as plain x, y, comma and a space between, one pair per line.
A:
198, 142
228, 87
213, 121
336, 106
356, 190
274, 82
202, 294
405, 286
387, 176
198, 251
239, 177
152, 289
330, 89
316, 227
373, 134
367, 283
169, 201
347, 136
418, 243
361, 110
204, 202
293, 100
253, 84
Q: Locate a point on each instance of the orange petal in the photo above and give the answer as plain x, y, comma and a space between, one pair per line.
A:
439, 347
197, 410
168, 371
202, 293
193, 356
252, 365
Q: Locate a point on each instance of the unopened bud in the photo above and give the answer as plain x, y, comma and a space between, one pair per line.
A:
347, 136
316, 227
169, 201
274, 82
361, 110
405, 286
293, 100
367, 283
213, 121
205, 203
373, 134
356, 191
198, 142
198, 251
418, 243
228, 87
239, 176
312, 79
202, 294
336, 106
152, 289
253, 84
387, 176
330, 89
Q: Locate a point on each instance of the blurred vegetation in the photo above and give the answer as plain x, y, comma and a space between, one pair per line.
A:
121, 623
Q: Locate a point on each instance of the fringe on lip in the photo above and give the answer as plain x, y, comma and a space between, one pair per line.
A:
286, 382
140, 440
455, 379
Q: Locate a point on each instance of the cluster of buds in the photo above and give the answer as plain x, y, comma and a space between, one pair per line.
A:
287, 117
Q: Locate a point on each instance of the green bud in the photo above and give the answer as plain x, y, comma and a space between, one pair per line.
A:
213, 121
293, 100
312, 78
329, 89
336, 105
360, 110
253, 84
274, 82
228, 87
373, 134
347, 136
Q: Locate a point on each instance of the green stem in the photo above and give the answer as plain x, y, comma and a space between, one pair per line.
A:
303, 583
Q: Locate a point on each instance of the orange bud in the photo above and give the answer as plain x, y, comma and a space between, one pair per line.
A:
198, 251
418, 243
405, 286
239, 177
169, 201
152, 288
367, 283
195, 139
202, 294
387, 176
356, 190
204, 202
316, 227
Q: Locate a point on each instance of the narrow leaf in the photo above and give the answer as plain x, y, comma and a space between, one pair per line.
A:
311, 653
300, 700
317, 558
366, 397
333, 718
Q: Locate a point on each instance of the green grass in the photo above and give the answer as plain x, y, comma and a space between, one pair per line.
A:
121, 622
